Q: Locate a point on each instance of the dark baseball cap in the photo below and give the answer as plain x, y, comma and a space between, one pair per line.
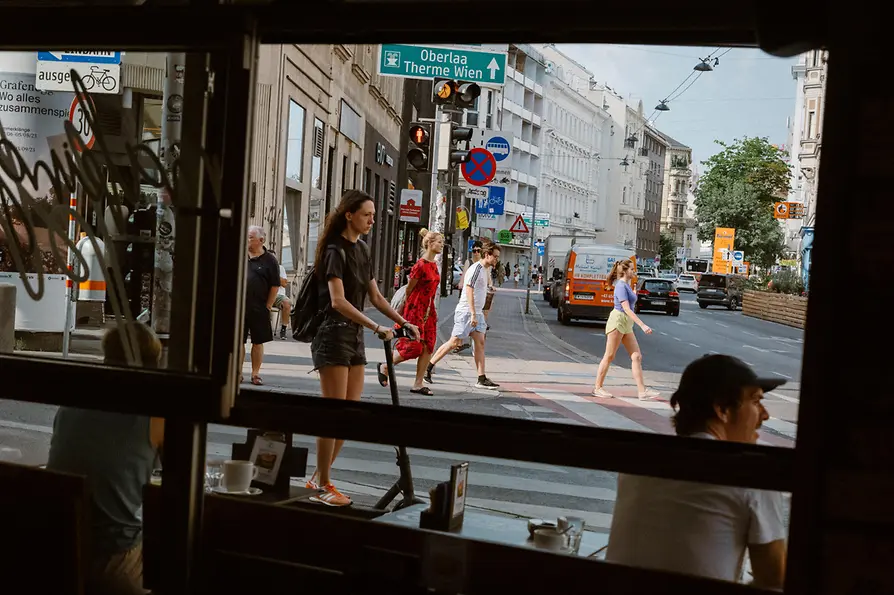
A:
713, 374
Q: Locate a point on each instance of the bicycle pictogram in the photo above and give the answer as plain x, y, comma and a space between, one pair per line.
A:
99, 76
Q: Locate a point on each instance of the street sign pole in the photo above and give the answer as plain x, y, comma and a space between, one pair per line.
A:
172, 112
533, 251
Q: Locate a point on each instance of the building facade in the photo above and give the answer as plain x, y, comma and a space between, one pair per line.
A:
570, 177
810, 76
517, 109
653, 152
325, 123
677, 182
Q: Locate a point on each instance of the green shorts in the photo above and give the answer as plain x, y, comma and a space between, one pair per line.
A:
619, 321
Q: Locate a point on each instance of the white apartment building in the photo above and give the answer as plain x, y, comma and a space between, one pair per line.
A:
517, 109
810, 74
574, 125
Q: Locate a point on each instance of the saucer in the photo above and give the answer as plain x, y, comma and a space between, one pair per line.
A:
249, 492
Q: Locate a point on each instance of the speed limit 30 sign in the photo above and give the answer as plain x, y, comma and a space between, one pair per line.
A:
77, 115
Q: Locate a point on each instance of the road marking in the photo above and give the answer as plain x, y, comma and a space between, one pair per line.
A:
721, 324
590, 411
663, 333
749, 334
711, 351
749, 363
681, 323
756, 348
783, 375
786, 428
784, 397
656, 406
677, 339
694, 345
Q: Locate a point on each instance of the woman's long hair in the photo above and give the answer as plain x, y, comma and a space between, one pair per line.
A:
337, 222
618, 270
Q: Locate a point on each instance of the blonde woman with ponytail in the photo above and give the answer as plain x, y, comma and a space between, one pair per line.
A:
419, 309
619, 330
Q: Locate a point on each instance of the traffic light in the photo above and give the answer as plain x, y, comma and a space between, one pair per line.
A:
466, 94
420, 146
449, 153
455, 93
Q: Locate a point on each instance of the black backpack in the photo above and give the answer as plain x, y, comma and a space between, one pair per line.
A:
307, 312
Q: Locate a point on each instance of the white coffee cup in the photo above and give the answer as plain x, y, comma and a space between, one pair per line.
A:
236, 476
549, 539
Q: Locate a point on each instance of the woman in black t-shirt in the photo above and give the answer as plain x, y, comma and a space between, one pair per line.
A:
345, 273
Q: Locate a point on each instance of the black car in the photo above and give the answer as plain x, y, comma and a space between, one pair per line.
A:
657, 294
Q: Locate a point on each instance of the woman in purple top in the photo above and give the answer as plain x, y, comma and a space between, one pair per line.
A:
619, 329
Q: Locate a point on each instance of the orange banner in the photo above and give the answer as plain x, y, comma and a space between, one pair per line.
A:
724, 237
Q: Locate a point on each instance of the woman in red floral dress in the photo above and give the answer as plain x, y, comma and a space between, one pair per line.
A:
419, 309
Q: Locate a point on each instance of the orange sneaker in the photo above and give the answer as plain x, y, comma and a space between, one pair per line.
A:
311, 483
330, 496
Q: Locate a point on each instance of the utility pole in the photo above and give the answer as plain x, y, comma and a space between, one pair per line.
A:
437, 209
533, 251
171, 124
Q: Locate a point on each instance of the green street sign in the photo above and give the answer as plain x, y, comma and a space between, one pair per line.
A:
429, 62
539, 222
505, 236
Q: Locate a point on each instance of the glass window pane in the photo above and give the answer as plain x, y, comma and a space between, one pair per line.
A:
295, 146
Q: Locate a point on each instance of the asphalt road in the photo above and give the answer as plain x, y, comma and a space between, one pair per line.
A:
768, 347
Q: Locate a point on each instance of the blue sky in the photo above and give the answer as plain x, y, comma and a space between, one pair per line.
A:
750, 93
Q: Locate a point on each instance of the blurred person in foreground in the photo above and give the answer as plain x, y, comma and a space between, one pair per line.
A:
117, 453
702, 529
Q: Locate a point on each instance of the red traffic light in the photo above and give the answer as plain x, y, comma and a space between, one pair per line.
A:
419, 134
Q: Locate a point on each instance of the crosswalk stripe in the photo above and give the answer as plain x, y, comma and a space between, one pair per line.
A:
783, 427
588, 410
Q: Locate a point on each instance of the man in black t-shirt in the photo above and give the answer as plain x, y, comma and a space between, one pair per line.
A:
261, 286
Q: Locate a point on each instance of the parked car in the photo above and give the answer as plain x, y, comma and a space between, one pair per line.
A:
720, 290
687, 282
657, 294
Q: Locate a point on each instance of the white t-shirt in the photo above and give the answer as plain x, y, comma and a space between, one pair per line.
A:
282, 275
477, 276
693, 528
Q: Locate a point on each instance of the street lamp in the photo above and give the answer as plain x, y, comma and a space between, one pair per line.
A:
703, 66
662, 106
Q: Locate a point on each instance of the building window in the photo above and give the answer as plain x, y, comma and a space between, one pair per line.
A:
344, 172
367, 181
295, 143
316, 160
356, 170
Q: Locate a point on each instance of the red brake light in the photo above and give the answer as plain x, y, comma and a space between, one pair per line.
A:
674, 294
642, 292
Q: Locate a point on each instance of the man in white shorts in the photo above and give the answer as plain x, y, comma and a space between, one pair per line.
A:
696, 528
468, 318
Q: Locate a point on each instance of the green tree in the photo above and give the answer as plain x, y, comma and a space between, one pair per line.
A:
741, 206
668, 251
738, 190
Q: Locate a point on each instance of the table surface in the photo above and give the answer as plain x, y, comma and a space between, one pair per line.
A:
492, 527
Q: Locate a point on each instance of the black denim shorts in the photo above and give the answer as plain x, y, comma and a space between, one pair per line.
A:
338, 344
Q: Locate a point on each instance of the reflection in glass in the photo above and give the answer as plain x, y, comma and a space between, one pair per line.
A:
295, 143
285, 256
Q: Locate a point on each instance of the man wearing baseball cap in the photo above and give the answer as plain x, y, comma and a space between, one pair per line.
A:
702, 529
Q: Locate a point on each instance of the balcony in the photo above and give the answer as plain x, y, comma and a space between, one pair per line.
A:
536, 120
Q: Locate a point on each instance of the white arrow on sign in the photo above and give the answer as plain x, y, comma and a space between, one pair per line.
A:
493, 67
57, 55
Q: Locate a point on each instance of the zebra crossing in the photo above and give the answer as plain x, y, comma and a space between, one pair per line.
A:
566, 404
